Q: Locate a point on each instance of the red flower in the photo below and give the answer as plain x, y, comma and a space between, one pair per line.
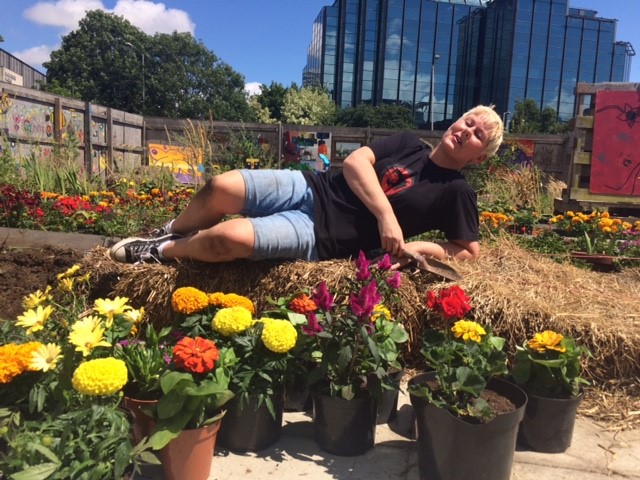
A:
195, 355
303, 304
451, 302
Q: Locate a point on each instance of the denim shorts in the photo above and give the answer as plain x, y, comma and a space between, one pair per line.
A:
279, 204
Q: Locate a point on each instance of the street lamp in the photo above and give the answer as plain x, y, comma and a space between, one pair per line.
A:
433, 72
505, 118
142, 55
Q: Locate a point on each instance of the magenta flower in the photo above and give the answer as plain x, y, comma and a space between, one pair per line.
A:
394, 280
385, 263
313, 327
362, 304
322, 298
362, 268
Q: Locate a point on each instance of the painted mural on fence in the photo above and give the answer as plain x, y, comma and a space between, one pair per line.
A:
615, 158
185, 163
309, 148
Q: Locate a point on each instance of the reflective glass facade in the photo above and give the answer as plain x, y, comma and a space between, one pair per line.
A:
480, 51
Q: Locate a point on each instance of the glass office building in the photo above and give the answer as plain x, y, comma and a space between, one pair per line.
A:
470, 51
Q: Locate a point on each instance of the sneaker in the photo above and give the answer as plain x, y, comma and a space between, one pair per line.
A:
139, 250
159, 232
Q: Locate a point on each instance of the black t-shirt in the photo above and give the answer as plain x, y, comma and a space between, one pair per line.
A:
423, 196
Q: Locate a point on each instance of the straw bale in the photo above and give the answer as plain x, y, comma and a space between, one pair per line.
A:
515, 291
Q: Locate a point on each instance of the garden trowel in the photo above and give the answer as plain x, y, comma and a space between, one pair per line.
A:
434, 266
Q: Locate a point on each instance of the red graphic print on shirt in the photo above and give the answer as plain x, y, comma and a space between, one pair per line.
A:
395, 180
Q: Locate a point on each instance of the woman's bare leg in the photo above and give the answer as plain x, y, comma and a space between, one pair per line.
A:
224, 242
222, 195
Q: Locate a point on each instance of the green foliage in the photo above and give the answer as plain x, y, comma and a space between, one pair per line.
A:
308, 106
91, 443
380, 116
240, 146
181, 78
529, 118
8, 166
272, 98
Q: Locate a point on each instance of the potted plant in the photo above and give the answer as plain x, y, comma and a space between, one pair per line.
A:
263, 359
353, 344
259, 358
461, 405
548, 367
61, 384
194, 388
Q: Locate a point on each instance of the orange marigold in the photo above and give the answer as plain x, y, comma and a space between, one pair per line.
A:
303, 304
195, 355
189, 300
216, 299
235, 300
16, 359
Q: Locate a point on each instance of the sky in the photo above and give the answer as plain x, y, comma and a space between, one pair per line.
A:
264, 40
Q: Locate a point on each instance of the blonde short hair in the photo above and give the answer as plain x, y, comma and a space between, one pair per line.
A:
493, 124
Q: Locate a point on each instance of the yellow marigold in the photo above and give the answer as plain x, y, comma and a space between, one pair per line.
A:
279, 336
189, 300
380, 310
576, 220
16, 359
235, 300
547, 340
570, 213
231, 320
468, 330
102, 376
604, 214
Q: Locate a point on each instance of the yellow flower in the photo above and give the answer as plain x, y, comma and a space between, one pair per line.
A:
189, 300
69, 273
547, 340
235, 300
102, 376
380, 310
134, 316
37, 298
34, 320
231, 320
279, 336
570, 213
468, 330
46, 357
66, 285
110, 308
87, 334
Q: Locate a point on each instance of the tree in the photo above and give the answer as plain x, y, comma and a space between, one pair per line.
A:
110, 62
272, 98
308, 106
529, 119
380, 116
1, 39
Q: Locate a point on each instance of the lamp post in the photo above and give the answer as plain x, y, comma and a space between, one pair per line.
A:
505, 118
433, 72
142, 55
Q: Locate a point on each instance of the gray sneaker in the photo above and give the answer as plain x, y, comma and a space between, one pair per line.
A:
139, 250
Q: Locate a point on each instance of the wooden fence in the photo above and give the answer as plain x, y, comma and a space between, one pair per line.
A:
113, 139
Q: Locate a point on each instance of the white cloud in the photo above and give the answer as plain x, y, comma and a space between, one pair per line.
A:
148, 16
35, 56
253, 88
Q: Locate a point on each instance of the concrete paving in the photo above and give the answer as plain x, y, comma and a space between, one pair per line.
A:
595, 454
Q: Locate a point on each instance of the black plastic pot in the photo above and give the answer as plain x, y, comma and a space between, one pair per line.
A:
251, 428
297, 396
388, 405
453, 449
344, 427
548, 423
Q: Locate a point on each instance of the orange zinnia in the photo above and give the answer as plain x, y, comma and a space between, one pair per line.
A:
195, 355
303, 304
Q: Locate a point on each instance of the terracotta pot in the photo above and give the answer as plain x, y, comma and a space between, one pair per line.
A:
142, 423
190, 454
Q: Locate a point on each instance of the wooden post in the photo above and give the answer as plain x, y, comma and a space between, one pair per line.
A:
109, 139
88, 150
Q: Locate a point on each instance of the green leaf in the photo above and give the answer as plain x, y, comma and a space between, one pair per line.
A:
399, 334
36, 472
170, 404
169, 381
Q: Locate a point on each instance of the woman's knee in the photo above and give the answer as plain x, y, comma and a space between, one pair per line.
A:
225, 192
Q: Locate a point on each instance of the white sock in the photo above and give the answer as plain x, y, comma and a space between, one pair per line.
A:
169, 227
160, 248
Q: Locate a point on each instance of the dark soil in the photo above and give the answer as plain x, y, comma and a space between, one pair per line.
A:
25, 270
